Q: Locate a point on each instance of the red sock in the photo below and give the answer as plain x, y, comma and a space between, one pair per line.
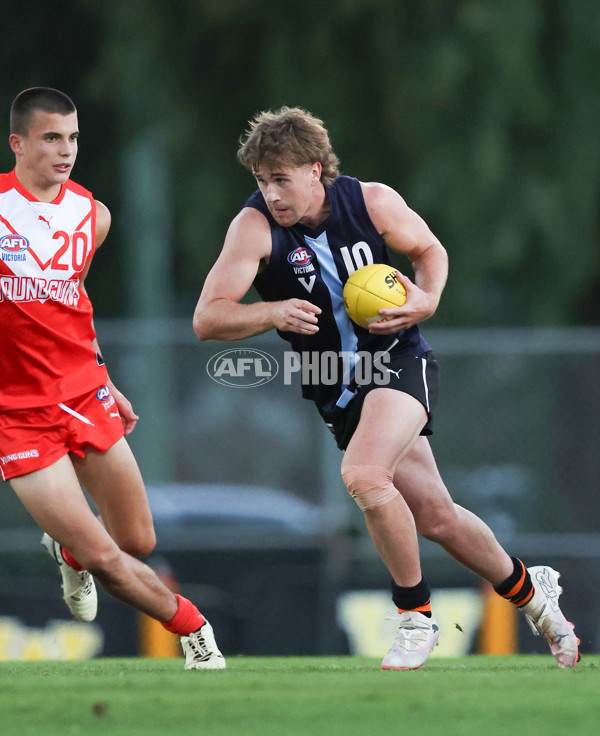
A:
187, 619
71, 561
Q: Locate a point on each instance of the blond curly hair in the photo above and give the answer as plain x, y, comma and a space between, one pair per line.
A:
289, 136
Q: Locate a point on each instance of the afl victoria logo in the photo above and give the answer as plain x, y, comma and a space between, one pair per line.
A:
14, 243
242, 368
300, 257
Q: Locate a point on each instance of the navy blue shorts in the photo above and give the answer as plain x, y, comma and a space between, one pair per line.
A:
416, 376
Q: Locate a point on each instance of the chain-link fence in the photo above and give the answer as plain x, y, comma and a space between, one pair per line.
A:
245, 487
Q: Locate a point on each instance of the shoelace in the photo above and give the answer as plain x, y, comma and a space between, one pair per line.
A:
85, 590
199, 647
408, 631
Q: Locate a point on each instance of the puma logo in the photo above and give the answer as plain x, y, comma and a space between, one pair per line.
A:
43, 219
114, 414
396, 373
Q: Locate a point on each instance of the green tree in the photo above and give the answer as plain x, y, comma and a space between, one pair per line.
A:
482, 114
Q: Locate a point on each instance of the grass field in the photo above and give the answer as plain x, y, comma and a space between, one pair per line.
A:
329, 696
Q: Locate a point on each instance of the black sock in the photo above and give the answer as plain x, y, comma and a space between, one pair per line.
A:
408, 599
517, 588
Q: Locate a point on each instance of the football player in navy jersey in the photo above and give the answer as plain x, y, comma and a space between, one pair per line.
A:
305, 210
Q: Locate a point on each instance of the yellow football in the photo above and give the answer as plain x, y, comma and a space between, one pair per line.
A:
370, 289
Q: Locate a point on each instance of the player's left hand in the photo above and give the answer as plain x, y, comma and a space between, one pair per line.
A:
418, 307
128, 416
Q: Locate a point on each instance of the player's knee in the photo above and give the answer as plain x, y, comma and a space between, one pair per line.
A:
438, 523
140, 544
369, 485
100, 561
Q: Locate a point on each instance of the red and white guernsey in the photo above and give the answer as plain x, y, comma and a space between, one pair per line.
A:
46, 328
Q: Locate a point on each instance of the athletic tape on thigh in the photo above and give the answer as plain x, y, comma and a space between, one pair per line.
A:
369, 485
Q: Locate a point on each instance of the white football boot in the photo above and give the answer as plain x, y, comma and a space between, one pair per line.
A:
79, 588
201, 651
544, 616
416, 638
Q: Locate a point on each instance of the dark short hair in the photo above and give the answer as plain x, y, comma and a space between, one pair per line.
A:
290, 136
29, 100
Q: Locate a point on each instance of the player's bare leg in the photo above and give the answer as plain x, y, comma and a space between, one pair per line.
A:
54, 498
462, 534
126, 515
470, 541
389, 425
390, 421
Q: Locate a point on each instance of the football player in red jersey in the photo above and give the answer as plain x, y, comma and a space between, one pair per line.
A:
62, 422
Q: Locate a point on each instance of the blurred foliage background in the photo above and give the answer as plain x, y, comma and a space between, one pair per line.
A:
483, 114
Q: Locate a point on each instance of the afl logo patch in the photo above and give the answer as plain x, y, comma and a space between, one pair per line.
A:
14, 243
103, 394
300, 257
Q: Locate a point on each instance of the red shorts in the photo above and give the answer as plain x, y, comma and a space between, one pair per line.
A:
31, 439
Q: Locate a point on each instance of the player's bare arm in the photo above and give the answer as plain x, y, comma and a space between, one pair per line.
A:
219, 314
128, 416
103, 220
407, 233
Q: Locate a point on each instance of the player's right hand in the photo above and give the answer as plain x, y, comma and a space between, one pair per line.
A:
296, 315
128, 416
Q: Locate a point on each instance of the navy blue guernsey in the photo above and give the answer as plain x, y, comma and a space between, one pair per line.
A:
314, 264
